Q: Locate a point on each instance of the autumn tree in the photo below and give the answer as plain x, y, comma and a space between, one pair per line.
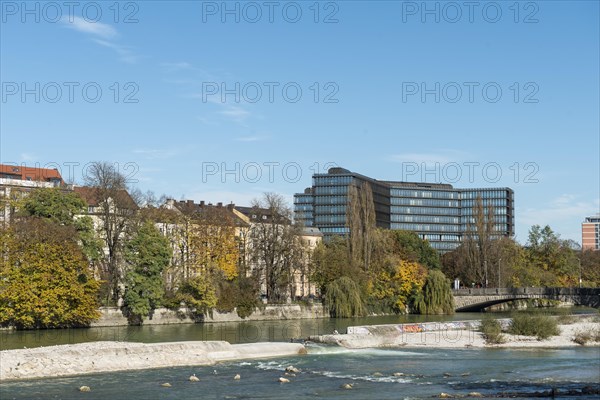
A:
147, 254
476, 247
67, 209
551, 260
590, 267
45, 280
396, 287
108, 188
274, 245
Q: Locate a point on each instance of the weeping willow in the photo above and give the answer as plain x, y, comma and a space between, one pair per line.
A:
344, 298
436, 297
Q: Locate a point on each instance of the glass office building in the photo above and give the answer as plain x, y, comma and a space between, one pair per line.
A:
438, 213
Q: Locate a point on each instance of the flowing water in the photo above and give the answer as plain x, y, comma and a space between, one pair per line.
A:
373, 373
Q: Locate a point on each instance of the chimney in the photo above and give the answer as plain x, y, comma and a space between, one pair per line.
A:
219, 204
202, 203
230, 206
190, 203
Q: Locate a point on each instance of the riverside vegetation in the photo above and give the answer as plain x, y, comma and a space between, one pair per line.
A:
59, 261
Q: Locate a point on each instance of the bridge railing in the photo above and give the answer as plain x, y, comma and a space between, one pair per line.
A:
556, 291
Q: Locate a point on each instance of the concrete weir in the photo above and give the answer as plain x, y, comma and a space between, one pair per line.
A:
95, 357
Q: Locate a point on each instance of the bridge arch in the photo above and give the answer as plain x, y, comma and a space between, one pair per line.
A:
478, 299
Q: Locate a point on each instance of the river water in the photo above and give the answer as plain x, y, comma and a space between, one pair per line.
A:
426, 372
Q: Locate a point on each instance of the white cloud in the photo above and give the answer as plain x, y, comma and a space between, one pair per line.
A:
249, 139
124, 52
235, 112
93, 28
28, 157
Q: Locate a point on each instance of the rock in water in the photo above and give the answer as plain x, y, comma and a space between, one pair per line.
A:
445, 396
194, 378
398, 374
237, 377
166, 384
347, 386
475, 394
284, 380
377, 374
85, 389
292, 369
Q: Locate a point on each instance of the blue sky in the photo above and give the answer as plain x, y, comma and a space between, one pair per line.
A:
388, 89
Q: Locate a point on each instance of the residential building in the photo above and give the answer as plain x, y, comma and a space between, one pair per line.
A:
438, 213
590, 233
16, 181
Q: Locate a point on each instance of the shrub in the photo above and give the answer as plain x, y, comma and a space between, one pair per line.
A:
582, 337
534, 324
564, 316
492, 331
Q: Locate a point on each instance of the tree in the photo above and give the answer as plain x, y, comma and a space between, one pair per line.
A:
437, 295
117, 209
213, 243
147, 254
551, 260
65, 208
344, 298
45, 281
361, 221
409, 246
590, 267
398, 286
275, 245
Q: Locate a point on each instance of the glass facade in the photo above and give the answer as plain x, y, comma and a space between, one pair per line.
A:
438, 213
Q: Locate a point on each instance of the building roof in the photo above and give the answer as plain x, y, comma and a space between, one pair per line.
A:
202, 209
24, 173
93, 197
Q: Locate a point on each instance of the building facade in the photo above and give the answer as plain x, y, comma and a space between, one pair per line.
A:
16, 181
438, 213
590, 233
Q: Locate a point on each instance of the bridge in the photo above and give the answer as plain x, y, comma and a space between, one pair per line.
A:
478, 299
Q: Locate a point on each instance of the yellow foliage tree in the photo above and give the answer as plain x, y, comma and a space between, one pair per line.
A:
398, 284
45, 281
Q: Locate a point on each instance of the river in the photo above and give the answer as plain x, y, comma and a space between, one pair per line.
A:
426, 372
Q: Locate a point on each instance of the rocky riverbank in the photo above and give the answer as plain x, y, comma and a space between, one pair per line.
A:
95, 357
458, 334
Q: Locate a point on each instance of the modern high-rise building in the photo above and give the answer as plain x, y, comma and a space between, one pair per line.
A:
438, 213
590, 233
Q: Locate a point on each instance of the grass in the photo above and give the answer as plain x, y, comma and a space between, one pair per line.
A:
492, 331
537, 324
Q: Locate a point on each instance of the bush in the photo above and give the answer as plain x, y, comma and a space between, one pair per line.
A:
582, 337
534, 324
492, 331
565, 317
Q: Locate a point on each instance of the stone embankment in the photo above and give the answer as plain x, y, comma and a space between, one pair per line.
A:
95, 357
112, 316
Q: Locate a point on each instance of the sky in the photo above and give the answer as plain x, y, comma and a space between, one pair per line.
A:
223, 101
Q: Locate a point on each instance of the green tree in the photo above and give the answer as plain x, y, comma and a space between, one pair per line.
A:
410, 247
147, 254
344, 298
551, 261
436, 297
45, 281
199, 295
